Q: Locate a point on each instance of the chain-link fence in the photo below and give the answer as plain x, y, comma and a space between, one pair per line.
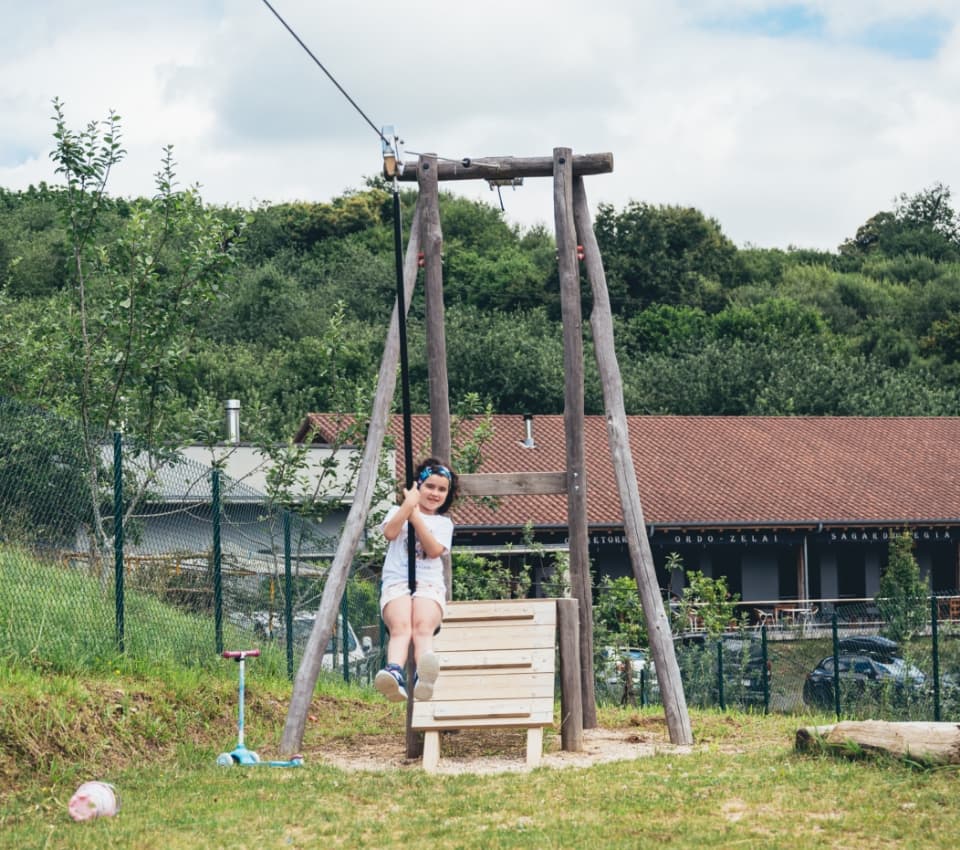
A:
849, 658
108, 550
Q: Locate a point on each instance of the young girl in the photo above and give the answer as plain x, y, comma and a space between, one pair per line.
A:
416, 616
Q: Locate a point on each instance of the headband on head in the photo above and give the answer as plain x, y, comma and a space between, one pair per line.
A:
434, 470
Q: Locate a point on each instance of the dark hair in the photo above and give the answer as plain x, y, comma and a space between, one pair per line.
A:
434, 466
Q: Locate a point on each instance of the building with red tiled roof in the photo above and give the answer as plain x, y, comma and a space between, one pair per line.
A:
784, 507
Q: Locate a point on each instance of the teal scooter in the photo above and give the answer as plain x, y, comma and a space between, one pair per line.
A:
241, 755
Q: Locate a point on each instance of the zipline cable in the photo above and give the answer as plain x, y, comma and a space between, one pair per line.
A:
388, 144
320, 65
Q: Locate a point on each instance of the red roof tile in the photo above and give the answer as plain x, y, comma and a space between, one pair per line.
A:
708, 470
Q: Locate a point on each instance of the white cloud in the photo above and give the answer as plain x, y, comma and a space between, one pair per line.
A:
784, 140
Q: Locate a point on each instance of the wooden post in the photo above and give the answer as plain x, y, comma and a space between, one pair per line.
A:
413, 739
573, 418
658, 624
440, 441
433, 293
309, 670
571, 695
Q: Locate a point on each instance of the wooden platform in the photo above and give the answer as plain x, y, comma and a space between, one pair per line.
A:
496, 670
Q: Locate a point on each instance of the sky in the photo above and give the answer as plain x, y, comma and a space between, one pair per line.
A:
789, 123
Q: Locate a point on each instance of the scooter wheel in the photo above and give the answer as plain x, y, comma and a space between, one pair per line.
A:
225, 760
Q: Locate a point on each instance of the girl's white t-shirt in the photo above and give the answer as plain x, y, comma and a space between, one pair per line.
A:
429, 570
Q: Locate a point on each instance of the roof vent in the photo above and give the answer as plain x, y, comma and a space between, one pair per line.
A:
528, 442
232, 408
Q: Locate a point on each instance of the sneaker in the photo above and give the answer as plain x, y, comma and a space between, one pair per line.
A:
389, 681
428, 668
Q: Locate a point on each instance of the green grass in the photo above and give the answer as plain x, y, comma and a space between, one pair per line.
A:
156, 739
152, 723
65, 619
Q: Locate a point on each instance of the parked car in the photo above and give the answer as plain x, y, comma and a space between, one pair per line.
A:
746, 674
615, 660
272, 627
865, 663
876, 646
611, 672
744, 663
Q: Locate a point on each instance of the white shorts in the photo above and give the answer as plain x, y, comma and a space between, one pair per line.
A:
436, 592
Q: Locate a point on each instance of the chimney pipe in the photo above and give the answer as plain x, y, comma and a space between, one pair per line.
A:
528, 442
232, 407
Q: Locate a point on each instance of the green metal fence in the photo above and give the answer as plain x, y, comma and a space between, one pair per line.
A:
848, 660
109, 552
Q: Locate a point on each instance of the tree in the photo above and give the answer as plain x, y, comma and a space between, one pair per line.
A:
299, 226
707, 601
904, 597
43, 492
507, 280
663, 328
666, 254
931, 210
924, 224
944, 338
134, 295
512, 360
618, 614
33, 244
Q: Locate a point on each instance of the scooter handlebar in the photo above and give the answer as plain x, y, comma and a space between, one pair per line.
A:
238, 654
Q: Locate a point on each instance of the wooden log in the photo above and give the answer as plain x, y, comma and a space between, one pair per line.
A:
508, 167
928, 742
309, 669
658, 624
573, 394
439, 390
433, 304
571, 704
512, 483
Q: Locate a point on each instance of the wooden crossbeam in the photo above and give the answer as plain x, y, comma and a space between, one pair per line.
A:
512, 483
508, 167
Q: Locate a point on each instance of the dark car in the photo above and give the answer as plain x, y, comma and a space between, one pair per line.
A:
746, 673
876, 646
744, 664
866, 664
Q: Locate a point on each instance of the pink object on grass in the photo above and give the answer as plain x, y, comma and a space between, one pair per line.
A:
94, 800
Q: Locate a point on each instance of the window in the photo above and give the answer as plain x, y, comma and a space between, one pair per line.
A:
851, 573
726, 563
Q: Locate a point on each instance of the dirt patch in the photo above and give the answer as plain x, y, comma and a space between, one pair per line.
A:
484, 751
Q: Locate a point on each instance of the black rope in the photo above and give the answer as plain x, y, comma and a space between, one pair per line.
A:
404, 385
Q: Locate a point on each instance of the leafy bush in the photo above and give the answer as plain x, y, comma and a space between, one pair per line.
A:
476, 577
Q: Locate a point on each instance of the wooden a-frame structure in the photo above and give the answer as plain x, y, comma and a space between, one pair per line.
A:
574, 227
